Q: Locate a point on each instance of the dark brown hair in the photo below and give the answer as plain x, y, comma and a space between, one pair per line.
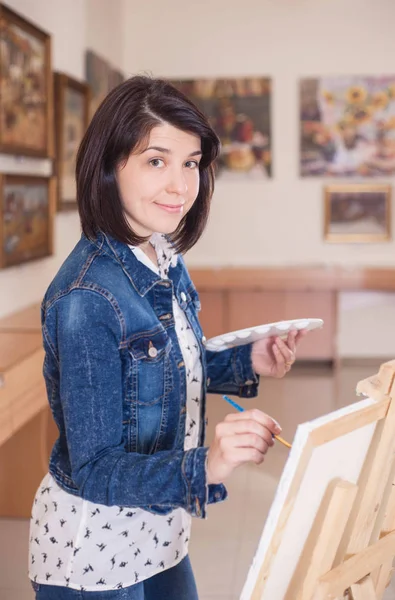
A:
122, 122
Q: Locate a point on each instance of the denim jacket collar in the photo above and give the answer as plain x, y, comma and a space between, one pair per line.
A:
142, 278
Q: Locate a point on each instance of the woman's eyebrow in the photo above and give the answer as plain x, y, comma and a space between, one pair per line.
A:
167, 151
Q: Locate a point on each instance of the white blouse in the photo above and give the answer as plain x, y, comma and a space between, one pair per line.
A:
83, 545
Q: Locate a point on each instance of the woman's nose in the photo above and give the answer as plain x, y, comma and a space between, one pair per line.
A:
177, 182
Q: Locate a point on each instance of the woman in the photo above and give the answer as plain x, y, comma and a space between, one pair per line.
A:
125, 366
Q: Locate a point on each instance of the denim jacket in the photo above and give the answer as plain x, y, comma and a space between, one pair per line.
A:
116, 381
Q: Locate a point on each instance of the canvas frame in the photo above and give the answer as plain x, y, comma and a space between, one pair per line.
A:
350, 525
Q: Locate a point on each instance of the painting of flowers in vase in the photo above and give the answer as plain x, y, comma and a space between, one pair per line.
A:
347, 127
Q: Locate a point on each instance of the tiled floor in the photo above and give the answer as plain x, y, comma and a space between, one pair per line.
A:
223, 545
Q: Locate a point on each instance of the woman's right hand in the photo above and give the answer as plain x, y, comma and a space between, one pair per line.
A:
242, 437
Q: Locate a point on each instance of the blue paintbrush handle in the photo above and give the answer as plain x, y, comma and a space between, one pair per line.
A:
233, 403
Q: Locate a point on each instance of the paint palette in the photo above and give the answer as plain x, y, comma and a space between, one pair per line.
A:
259, 332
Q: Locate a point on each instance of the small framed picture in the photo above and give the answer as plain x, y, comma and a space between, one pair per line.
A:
357, 213
71, 121
26, 126
27, 206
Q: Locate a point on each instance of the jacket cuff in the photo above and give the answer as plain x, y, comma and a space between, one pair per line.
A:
242, 365
199, 493
194, 472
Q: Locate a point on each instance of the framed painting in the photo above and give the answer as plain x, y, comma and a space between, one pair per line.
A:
347, 126
357, 213
98, 77
116, 77
25, 87
27, 206
101, 78
71, 121
239, 110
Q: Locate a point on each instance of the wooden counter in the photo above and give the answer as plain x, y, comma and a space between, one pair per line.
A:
22, 389
296, 278
28, 319
27, 430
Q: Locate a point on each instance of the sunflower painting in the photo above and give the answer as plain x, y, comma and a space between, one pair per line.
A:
347, 126
239, 111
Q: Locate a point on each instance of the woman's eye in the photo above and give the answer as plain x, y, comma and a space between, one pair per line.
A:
192, 164
156, 162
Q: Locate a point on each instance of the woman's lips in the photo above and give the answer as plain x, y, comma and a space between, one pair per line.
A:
171, 208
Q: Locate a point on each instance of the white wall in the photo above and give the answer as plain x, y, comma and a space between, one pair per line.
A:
279, 221
366, 325
104, 29
73, 25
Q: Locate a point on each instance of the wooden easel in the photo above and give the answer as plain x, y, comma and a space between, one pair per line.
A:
351, 547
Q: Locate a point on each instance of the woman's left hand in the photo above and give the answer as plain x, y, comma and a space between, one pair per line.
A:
273, 357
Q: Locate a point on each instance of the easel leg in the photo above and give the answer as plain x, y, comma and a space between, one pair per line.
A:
382, 576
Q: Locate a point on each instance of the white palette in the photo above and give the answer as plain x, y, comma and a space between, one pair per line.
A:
259, 332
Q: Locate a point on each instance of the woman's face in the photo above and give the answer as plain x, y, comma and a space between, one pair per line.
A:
160, 181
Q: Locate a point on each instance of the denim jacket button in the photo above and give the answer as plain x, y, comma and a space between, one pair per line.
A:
183, 297
204, 340
153, 352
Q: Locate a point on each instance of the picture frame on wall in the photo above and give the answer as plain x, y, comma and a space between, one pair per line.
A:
347, 126
116, 78
71, 121
101, 77
27, 206
97, 72
239, 110
357, 213
26, 98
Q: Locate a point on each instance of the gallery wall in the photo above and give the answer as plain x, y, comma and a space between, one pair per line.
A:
274, 222
278, 221
74, 25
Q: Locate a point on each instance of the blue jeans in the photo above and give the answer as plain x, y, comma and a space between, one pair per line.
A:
177, 583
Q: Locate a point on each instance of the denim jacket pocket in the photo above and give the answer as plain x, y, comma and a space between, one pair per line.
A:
151, 369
